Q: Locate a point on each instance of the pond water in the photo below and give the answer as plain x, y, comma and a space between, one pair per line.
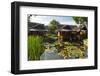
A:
50, 53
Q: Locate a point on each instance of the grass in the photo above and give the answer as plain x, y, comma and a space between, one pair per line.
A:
35, 47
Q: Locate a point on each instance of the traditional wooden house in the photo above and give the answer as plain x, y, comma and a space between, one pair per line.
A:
71, 33
36, 29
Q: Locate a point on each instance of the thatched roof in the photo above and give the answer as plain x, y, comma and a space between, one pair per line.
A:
36, 27
67, 28
64, 27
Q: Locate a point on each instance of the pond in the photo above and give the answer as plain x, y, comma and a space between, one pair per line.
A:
50, 53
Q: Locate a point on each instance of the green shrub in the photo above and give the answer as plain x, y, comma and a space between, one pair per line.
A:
35, 47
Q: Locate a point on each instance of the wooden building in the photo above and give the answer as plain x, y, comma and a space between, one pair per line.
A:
71, 33
36, 29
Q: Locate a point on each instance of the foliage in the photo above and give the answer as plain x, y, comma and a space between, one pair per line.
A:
50, 38
80, 20
53, 25
35, 47
72, 51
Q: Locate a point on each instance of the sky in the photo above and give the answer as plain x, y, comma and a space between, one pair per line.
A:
46, 19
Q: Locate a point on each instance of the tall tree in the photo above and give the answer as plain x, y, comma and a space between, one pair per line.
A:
53, 25
80, 20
